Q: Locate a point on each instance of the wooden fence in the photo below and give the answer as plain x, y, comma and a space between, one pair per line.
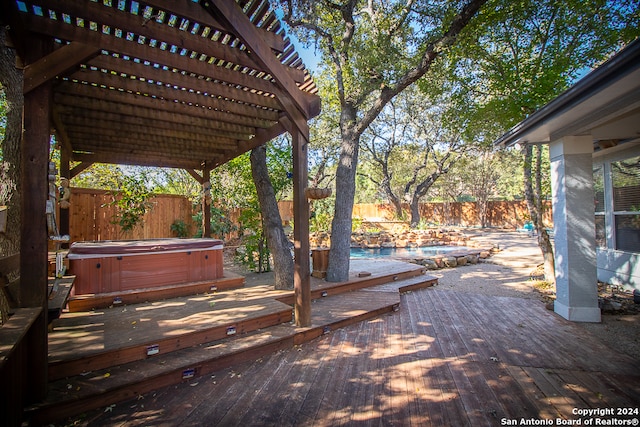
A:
511, 214
91, 217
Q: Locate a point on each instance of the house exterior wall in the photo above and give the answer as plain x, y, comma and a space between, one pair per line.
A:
615, 266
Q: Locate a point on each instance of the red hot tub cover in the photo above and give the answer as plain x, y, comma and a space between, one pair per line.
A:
106, 248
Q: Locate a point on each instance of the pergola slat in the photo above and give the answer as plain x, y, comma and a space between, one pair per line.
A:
128, 84
151, 29
139, 100
197, 83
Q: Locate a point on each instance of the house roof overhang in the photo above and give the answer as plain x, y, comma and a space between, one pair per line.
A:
604, 104
173, 83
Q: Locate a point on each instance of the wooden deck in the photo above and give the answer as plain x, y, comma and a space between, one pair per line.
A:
103, 356
443, 359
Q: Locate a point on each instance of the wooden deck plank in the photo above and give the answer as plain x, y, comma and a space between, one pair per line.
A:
401, 405
438, 380
79, 334
329, 348
363, 398
332, 404
424, 344
296, 389
535, 394
428, 364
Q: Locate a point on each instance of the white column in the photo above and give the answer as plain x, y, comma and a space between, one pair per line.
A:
574, 226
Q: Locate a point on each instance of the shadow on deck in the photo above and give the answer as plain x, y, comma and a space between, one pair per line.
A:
103, 356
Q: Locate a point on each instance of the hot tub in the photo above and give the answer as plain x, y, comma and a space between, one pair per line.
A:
115, 266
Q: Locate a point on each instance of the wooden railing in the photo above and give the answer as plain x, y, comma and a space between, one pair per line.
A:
21, 336
18, 340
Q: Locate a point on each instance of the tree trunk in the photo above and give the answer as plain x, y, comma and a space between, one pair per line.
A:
338, 268
534, 204
415, 212
277, 241
482, 211
11, 79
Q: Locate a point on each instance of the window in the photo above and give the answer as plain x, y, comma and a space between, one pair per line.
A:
625, 182
598, 187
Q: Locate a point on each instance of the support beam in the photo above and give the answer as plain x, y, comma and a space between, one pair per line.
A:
195, 175
57, 63
206, 205
574, 226
33, 229
230, 13
65, 172
302, 274
78, 169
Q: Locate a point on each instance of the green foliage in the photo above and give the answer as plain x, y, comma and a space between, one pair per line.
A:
220, 223
180, 228
321, 215
131, 202
520, 55
100, 176
356, 224
232, 187
256, 254
426, 225
174, 181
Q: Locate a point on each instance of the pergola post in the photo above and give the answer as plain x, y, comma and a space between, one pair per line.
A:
65, 172
302, 274
574, 226
206, 207
33, 229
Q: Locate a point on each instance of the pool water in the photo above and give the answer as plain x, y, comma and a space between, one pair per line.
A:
426, 251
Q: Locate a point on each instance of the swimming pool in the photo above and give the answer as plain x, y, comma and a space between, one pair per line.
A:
426, 251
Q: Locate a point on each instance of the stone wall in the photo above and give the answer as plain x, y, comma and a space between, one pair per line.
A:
396, 239
469, 253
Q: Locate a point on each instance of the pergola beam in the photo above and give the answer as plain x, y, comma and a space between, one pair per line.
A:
57, 63
94, 107
174, 78
133, 160
230, 13
192, 11
44, 26
79, 168
138, 25
32, 291
97, 79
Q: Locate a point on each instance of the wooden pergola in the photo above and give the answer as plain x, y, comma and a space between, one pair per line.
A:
172, 83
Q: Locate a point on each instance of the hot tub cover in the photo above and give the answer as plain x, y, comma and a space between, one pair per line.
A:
135, 247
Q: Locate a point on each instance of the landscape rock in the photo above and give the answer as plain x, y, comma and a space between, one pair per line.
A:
609, 306
450, 261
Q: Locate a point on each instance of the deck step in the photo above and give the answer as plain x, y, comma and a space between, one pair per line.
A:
103, 387
366, 279
85, 302
93, 365
88, 341
406, 285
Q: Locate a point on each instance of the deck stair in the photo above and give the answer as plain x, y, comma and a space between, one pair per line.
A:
102, 377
